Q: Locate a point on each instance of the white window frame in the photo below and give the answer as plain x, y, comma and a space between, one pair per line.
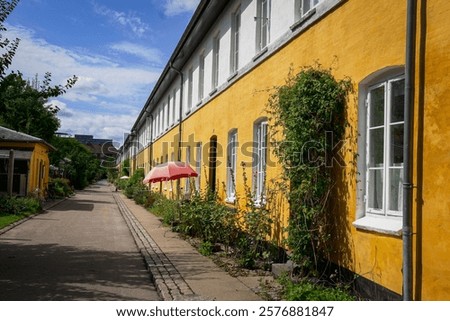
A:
305, 6
235, 38
215, 62
190, 90
198, 165
260, 160
187, 188
232, 150
386, 168
201, 76
262, 24
381, 219
175, 115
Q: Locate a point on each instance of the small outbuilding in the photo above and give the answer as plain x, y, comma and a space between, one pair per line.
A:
24, 163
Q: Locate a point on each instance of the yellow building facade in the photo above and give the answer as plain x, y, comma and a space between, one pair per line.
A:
31, 162
360, 39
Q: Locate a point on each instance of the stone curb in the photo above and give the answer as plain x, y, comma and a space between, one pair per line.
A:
168, 281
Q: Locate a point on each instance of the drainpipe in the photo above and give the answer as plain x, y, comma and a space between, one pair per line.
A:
179, 129
181, 110
411, 27
150, 155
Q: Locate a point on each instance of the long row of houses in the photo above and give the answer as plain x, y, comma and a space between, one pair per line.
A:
209, 108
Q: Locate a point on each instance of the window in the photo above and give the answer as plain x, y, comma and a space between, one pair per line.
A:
384, 152
262, 24
380, 148
166, 113
232, 149
174, 107
259, 160
190, 84
235, 29
304, 6
187, 188
201, 76
169, 111
198, 165
215, 62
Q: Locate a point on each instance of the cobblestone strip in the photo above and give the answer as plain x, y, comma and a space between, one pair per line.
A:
168, 281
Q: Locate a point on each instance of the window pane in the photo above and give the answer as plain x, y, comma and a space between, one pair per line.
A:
376, 152
375, 197
376, 116
397, 101
395, 189
396, 145
306, 6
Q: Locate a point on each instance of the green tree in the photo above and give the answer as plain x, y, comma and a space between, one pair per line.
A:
78, 163
23, 105
7, 46
23, 108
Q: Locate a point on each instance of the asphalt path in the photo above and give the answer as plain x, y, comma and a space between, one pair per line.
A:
81, 249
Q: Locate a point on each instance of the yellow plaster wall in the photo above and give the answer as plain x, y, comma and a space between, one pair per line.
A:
357, 39
432, 164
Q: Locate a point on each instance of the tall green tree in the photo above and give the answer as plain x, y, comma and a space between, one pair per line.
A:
23, 104
8, 47
79, 164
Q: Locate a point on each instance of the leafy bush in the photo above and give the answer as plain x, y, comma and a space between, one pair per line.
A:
204, 217
206, 248
165, 208
308, 113
134, 184
309, 291
59, 188
19, 205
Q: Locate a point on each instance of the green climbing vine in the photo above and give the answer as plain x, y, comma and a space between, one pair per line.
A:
308, 117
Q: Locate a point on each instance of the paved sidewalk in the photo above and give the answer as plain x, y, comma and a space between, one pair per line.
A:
80, 249
179, 271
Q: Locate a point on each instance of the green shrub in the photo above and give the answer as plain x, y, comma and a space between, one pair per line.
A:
19, 205
204, 217
206, 248
59, 188
308, 115
306, 290
165, 208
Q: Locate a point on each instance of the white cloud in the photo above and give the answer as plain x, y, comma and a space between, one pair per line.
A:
99, 76
175, 7
125, 20
108, 95
151, 55
100, 125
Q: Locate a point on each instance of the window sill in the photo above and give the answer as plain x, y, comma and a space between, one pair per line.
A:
213, 92
390, 226
260, 54
232, 76
231, 200
303, 19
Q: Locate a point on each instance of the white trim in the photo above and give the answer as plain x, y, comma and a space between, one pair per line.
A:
379, 224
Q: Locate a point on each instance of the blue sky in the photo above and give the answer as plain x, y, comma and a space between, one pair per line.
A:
116, 48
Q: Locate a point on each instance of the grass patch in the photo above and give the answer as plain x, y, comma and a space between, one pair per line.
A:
13, 209
6, 220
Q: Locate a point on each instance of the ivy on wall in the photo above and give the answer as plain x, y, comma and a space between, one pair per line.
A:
308, 118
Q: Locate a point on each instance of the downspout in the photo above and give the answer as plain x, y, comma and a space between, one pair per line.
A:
411, 30
181, 110
179, 128
150, 155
